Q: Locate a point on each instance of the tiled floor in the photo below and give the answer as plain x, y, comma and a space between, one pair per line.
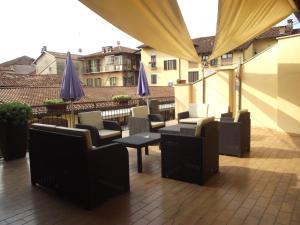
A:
260, 189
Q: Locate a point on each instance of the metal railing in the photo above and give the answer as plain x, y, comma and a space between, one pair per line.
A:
118, 111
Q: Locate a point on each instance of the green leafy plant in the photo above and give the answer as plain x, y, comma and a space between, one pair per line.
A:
53, 101
15, 113
121, 98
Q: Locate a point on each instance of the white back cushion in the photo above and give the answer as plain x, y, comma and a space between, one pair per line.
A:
93, 118
201, 123
140, 111
217, 109
198, 110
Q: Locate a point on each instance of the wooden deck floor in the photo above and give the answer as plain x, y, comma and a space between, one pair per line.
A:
260, 189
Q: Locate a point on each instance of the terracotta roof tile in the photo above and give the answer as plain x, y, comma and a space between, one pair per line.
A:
37, 95
64, 55
115, 50
17, 80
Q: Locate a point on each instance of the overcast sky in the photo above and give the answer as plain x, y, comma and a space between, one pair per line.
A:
67, 25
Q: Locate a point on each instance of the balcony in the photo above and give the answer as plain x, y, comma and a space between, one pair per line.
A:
111, 68
226, 62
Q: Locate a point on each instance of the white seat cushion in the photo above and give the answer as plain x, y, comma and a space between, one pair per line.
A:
157, 124
190, 120
108, 133
93, 118
140, 111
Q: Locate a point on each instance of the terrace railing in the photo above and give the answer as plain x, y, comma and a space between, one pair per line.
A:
118, 111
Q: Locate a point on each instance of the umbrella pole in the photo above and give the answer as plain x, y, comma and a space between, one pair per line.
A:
72, 115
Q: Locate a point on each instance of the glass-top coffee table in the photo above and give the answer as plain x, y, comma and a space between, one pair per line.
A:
139, 141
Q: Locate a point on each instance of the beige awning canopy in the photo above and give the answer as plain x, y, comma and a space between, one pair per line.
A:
242, 20
159, 23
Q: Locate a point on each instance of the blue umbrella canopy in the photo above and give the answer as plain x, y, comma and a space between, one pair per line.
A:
71, 89
142, 86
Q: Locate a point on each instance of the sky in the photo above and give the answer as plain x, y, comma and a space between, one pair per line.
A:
68, 25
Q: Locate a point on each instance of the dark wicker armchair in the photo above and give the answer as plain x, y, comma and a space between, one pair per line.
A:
102, 131
235, 134
142, 121
64, 160
191, 158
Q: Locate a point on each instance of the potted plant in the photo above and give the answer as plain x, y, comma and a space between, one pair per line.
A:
123, 99
55, 105
14, 129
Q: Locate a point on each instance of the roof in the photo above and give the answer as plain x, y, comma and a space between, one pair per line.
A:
204, 45
34, 89
23, 60
20, 80
37, 95
63, 55
58, 55
115, 50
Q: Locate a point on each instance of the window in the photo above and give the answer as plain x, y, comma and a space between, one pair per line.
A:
214, 62
97, 82
109, 59
153, 61
153, 79
88, 66
227, 56
205, 58
113, 81
193, 76
89, 82
226, 59
170, 64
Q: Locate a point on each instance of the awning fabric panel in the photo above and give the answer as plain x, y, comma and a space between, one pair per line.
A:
242, 20
157, 23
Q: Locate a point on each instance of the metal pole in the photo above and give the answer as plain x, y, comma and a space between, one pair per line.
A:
203, 83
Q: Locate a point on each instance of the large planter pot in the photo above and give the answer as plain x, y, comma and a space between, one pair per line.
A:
13, 140
56, 108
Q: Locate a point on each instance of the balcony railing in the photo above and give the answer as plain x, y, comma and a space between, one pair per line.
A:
226, 62
110, 68
110, 110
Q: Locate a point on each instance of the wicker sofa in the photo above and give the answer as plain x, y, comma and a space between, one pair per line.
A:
191, 155
63, 159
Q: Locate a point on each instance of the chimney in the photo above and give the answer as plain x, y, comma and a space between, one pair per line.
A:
289, 26
44, 48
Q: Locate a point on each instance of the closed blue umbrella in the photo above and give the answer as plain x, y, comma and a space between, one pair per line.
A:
142, 86
71, 89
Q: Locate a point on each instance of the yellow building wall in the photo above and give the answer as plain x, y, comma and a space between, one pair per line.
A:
288, 116
261, 45
183, 97
163, 76
259, 88
249, 52
104, 78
